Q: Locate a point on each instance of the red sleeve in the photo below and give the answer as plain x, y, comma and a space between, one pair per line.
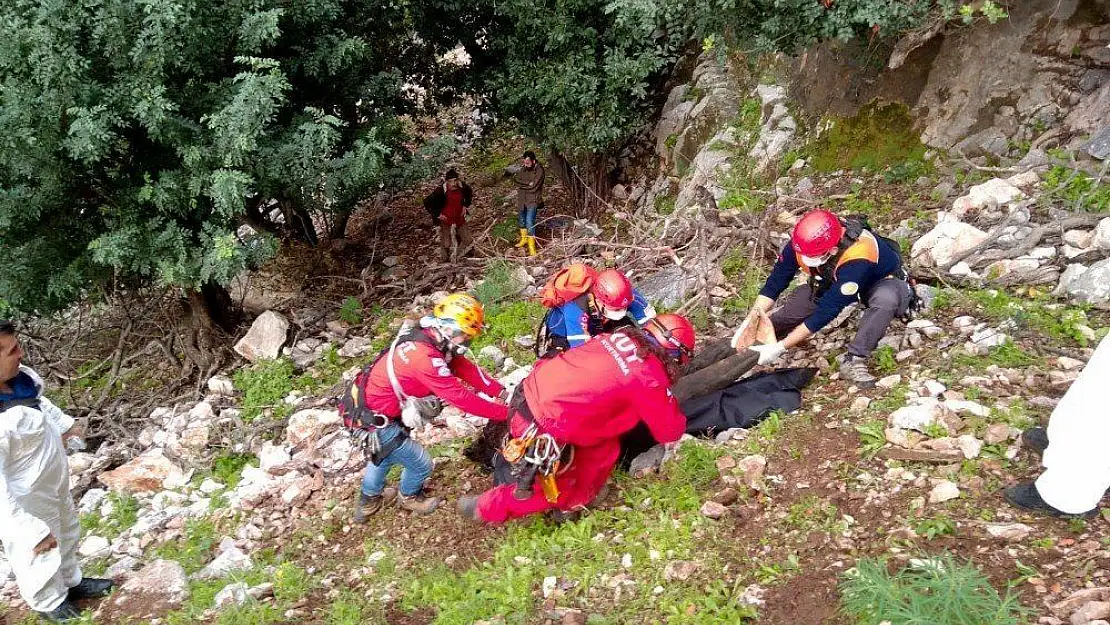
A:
475, 376
662, 415
441, 382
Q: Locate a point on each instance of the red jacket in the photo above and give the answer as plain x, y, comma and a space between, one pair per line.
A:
422, 370
600, 390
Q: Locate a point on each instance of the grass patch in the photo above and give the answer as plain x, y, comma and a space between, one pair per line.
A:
326, 372
1076, 189
520, 318
885, 362
1059, 322
194, 548
507, 230
1007, 355
746, 278
814, 514
892, 400
659, 525
264, 387
351, 311
878, 137
945, 592
124, 515
499, 284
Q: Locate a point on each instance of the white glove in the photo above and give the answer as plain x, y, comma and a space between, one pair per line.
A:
419, 411
740, 330
769, 353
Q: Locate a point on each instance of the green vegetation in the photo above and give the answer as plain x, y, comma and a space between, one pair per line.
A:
351, 311
499, 285
930, 528
193, 549
264, 386
507, 322
506, 230
941, 592
813, 514
884, 360
664, 204
291, 586
326, 372
1035, 312
877, 137
872, 437
1077, 190
660, 517
228, 468
741, 275
1006, 355
124, 514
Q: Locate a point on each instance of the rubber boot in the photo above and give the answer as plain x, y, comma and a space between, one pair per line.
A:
523, 238
419, 503
531, 246
369, 505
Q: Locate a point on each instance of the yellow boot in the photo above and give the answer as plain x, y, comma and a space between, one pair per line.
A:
523, 238
531, 246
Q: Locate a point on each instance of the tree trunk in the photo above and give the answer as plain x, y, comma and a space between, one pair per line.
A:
209, 314
298, 221
220, 308
255, 218
338, 229
588, 186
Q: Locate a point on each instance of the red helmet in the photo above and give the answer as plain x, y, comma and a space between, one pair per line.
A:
816, 234
674, 333
613, 292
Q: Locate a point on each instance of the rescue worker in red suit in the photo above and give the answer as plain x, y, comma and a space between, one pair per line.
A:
427, 363
586, 398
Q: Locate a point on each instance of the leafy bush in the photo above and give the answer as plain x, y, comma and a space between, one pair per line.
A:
884, 360
264, 385
351, 311
941, 592
499, 284
1077, 189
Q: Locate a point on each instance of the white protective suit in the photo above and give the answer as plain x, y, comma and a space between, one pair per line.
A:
1077, 461
35, 501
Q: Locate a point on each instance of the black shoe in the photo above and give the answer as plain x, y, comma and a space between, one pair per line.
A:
61, 614
91, 588
1036, 439
1026, 497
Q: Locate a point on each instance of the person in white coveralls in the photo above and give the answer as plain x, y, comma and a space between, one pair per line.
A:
39, 526
1076, 448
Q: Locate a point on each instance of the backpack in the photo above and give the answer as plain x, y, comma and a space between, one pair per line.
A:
567, 284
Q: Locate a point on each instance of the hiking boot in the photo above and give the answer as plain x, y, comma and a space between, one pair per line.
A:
565, 516
370, 504
91, 588
1025, 497
854, 369
62, 614
468, 508
1036, 439
419, 503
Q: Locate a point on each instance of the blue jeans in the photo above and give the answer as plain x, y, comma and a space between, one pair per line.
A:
527, 218
410, 455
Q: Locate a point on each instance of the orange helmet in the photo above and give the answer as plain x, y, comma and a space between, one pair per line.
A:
673, 333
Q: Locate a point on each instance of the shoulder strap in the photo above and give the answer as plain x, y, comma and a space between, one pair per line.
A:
411, 335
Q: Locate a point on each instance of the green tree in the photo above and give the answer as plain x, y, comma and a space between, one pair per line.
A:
140, 134
583, 77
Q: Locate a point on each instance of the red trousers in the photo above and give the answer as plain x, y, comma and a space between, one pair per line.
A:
578, 485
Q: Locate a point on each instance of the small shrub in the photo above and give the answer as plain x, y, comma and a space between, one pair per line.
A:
932, 527
906, 171
265, 385
193, 550
884, 360
1077, 190
351, 311
228, 469
872, 437
499, 284
664, 204
946, 592
507, 230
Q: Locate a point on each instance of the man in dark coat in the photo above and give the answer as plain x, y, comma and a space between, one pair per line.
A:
448, 205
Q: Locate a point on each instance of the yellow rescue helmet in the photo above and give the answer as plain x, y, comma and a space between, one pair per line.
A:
463, 311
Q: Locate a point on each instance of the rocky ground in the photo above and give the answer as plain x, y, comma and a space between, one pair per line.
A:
236, 509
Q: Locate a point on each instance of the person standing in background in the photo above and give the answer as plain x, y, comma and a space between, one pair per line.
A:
529, 196
448, 205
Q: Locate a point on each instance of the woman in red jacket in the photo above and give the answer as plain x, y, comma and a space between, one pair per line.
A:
575, 407
423, 363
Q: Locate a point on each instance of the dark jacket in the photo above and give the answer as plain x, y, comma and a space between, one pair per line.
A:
529, 185
435, 201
